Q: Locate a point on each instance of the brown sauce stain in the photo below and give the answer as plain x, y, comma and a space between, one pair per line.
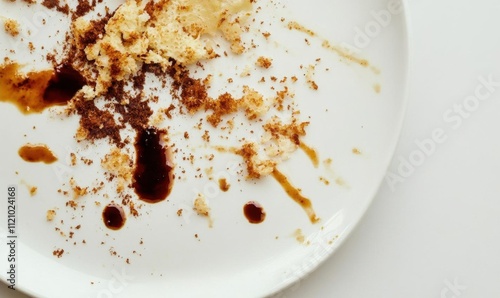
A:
113, 217
295, 194
254, 212
153, 175
311, 153
36, 153
35, 91
223, 185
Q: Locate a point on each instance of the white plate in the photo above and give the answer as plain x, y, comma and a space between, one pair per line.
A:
233, 258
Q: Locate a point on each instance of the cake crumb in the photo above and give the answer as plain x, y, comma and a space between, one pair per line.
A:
356, 151
58, 252
119, 164
264, 62
309, 77
11, 27
51, 214
200, 206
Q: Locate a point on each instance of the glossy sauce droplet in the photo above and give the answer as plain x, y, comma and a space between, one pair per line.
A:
36, 153
63, 85
153, 175
254, 212
113, 217
35, 91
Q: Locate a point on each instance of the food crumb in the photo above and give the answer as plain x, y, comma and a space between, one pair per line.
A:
264, 62
179, 212
58, 252
356, 151
51, 214
200, 206
309, 77
11, 27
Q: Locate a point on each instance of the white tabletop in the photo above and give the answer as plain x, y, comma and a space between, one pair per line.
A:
434, 231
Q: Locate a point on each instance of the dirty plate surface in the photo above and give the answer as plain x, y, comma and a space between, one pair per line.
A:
355, 117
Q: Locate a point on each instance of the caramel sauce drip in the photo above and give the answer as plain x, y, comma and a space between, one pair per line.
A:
311, 153
295, 194
37, 153
37, 90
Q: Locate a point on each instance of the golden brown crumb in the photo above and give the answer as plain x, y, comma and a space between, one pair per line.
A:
309, 77
253, 103
200, 206
118, 164
179, 212
356, 151
206, 136
264, 62
51, 214
58, 252
157, 33
255, 167
78, 191
11, 27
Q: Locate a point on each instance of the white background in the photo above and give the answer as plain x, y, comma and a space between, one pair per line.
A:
437, 233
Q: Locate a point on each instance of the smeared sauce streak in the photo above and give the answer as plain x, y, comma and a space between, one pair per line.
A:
36, 153
113, 217
327, 45
295, 194
153, 175
35, 91
311, 153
